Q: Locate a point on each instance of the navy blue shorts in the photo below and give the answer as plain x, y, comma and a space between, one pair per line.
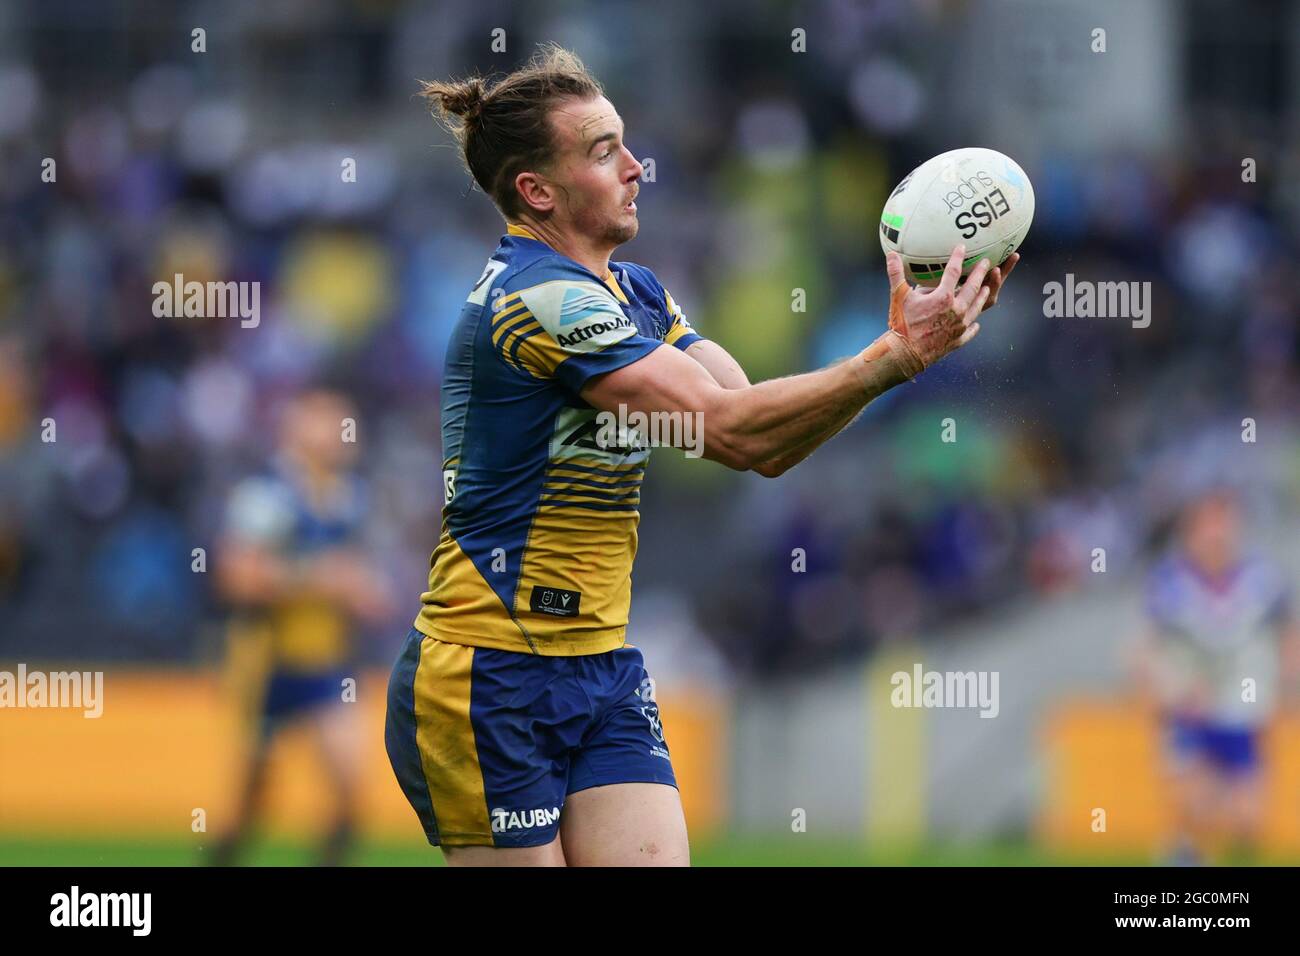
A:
289, 695
487, 744
1230, 750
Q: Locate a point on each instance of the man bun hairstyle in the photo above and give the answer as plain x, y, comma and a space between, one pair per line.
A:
503, 128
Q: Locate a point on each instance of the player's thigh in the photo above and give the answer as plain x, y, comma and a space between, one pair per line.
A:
552, 854
1242, 801
1189, 772
1191, 786
479, 740
625, 824
1233, 755
1242, 796
339, 738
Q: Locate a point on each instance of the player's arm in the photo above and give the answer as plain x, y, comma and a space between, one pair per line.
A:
252, 571
746, 426
749, 426
252, 575
1289, 653
771, 469
728, 373
1143, 661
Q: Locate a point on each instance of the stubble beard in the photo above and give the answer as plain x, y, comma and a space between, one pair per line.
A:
619, 233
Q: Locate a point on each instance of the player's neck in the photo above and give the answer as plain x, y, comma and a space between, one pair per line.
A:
581, 251
1217, 574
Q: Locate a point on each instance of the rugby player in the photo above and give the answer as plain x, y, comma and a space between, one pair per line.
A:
1217, 616
521, 725
290, 563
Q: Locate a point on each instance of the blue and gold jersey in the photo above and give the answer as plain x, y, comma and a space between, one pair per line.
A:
540, 518
305, 635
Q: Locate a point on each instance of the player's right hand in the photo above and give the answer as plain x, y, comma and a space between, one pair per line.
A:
937, 321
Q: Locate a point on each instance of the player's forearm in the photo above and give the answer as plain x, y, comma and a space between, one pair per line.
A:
776, 418
253, 582
783, 463
1289, 641
726, 371
256, 578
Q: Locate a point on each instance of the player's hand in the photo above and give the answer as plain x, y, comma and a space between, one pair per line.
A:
346, 577
365, 594
997, 277
934, 322
371, 598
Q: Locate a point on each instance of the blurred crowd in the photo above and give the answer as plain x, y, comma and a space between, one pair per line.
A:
122, 433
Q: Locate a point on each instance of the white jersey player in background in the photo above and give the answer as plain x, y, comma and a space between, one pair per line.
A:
1219, 648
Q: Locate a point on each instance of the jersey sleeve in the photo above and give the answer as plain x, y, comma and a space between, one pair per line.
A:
679, 331
1160, 597
1279, 601
560, 323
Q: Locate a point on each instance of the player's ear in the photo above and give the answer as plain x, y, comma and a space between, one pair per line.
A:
537, 193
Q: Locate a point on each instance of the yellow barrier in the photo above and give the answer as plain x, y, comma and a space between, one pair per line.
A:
169, 742
1107, 755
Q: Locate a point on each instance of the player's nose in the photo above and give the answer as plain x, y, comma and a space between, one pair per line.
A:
633, 167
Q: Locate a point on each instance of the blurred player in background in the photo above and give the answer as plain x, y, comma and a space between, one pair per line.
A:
1218, 617
290, 561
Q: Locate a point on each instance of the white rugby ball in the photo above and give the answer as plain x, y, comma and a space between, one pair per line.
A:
973, 195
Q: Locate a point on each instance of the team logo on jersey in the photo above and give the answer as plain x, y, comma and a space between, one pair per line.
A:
580, 304
583, 317
592, 330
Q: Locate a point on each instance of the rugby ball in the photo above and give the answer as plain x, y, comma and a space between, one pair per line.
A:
973, 195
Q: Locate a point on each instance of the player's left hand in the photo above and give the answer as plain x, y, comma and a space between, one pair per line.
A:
934, 321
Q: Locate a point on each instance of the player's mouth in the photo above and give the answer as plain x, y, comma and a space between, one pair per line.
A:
631, 205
